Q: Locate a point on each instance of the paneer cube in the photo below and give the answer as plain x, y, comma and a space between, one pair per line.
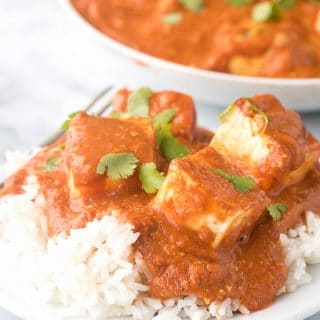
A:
267, 142
185, 121
193, 195
90, 138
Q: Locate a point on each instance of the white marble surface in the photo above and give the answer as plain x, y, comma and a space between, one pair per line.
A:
45, 74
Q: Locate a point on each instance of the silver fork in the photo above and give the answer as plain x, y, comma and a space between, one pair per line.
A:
99, 105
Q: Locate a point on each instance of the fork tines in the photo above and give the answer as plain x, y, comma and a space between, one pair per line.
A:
99, 105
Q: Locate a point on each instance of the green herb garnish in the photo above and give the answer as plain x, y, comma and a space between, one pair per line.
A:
266, 11
138, 102
276, 210
66, 124
51, 164
151, 179
250, 104
163, 118
169, 146
172, 18
241, 183
227, 111
286, 4
117, 165
239, 3
192, 5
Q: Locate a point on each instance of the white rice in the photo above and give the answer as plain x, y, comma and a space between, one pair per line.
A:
90, 273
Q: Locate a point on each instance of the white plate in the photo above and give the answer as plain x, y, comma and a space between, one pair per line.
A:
295, 306
218, 89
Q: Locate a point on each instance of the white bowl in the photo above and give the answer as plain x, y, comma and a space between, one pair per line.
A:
134, 68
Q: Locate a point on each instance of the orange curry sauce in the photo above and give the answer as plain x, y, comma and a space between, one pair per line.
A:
180, 261
220, 37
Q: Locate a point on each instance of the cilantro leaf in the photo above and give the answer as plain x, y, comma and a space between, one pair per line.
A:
169, 146
51, 164
286, 4
249, 103
172, 18
239, 3
66, 124
242, 184
253, 106
163, 131
192, 5
276, 210
138, 102
117, 165
266, 11
222, 173
227, 111
151, 179
163, 118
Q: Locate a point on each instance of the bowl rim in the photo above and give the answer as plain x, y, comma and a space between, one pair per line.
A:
147, 60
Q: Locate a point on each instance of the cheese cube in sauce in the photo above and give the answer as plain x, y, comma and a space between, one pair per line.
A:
193, 195
185, 121
267, 142
90, 138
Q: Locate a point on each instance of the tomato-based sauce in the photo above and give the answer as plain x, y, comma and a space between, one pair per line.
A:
220, 37
181, 261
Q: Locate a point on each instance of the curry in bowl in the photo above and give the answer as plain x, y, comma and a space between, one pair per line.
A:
272, 38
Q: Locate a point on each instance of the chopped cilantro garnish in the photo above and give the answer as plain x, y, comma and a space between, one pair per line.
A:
172, 18
257, 109
251, 105
66, 124
51, 164
163, 118
192, 5
266, 11
138, 102
164, 130
117, 165
151, 179
239, 3
276, 210
286, 4
169, 146
241, 183
227, 111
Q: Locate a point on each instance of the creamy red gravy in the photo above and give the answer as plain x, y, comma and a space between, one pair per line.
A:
180, 261
220, 37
